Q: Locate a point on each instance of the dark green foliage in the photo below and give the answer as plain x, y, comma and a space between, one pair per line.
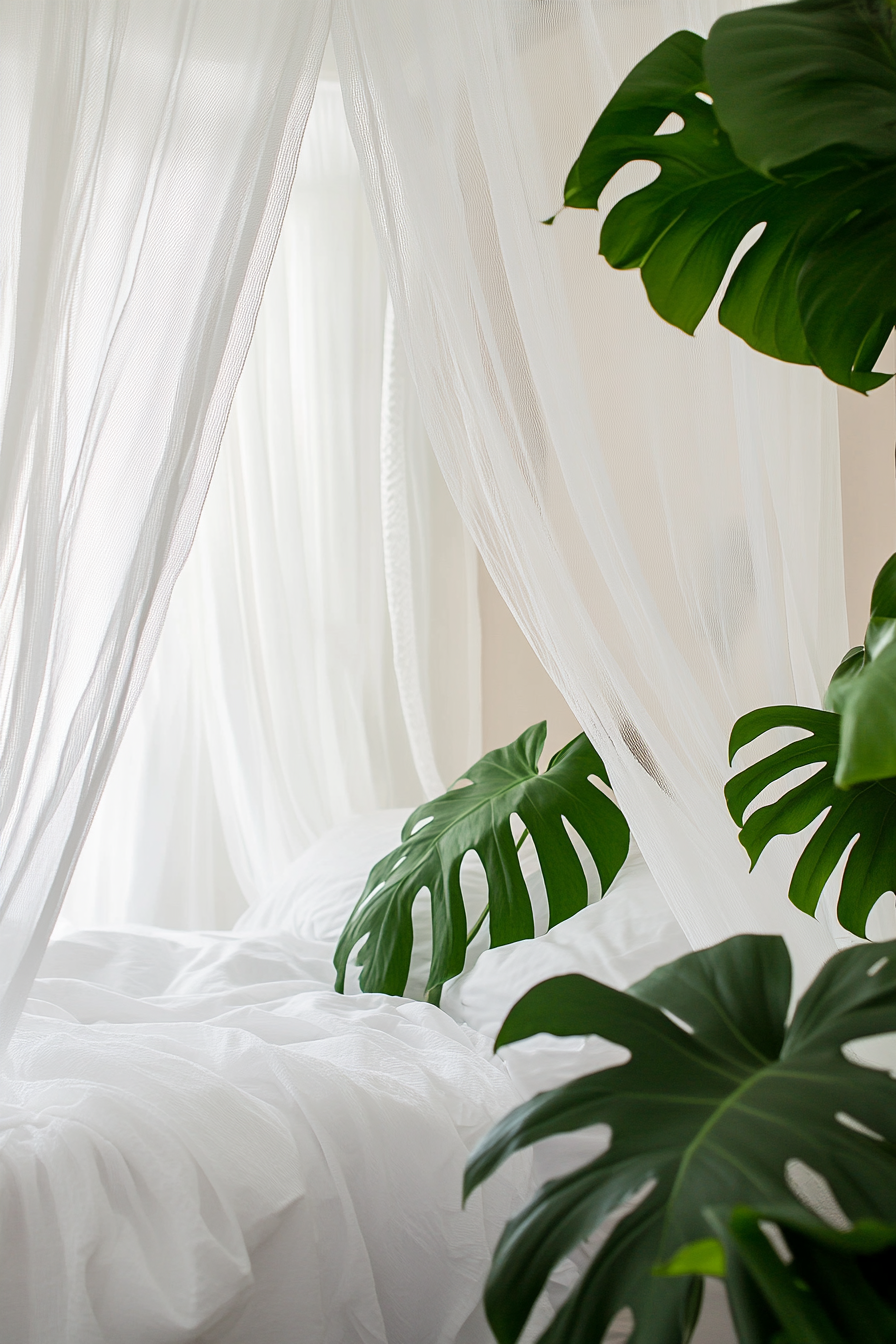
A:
792, 80
863, 692
866, 810
839, 1286
704, 1122
800, 136
854, 743
477, 817
788, 121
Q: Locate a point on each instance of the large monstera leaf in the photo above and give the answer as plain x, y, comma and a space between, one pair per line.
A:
438, 834
863, 692
719, 1098
790, 80
788, 119
854, 743
865, 810
838, 1286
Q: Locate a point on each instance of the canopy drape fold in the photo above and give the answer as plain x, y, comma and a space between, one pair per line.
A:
148, 150
320, 657
661, 513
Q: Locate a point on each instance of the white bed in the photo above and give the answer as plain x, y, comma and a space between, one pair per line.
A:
201, 1141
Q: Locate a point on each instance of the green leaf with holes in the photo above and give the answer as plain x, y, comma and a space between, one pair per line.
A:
817, 286
719, 1096
836, 1287
854, 744
863, 692
866, 811
438, 834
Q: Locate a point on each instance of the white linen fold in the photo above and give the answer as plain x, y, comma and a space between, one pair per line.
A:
202, 1141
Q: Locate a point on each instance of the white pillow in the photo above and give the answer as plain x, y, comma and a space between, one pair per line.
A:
316, 895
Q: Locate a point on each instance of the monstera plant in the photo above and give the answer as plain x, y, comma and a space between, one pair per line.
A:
476, 815
854, 743
788, 120
779, 130
721, 1113
776, 135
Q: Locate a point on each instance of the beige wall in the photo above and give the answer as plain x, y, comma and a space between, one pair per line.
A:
516, 690
868, 486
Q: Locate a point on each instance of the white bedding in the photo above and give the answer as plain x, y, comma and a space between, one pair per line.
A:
201, 1141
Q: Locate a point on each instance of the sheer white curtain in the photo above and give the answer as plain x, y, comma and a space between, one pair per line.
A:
661, 513
321, 653
147, 150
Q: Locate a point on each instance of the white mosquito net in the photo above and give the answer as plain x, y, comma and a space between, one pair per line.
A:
147, 152
661, 513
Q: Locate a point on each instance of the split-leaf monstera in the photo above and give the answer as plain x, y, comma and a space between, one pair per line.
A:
719, 1100
789, 121
867, 811
477, 817
854, 743
863, 693
838, 1287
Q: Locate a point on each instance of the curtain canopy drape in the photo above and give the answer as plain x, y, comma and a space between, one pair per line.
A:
661, 513
147, 153
321, 653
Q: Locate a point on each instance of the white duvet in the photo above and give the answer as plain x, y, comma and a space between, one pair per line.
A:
201, 1141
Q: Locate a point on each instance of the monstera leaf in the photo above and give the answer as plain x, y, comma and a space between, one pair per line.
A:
788, 121
838, 1286
863, 692
855, 745
719, 1098
438, 834
790, 80
866, 810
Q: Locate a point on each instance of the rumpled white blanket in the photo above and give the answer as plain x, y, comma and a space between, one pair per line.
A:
201, 1141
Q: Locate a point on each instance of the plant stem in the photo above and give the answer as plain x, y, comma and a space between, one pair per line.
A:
478, 925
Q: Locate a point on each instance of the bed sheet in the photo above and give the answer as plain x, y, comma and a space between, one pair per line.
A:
201, 1141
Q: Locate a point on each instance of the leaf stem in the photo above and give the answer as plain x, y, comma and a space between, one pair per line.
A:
478, 925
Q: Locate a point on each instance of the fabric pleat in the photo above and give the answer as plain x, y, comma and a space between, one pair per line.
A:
321, 653
147, 149
661, 513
